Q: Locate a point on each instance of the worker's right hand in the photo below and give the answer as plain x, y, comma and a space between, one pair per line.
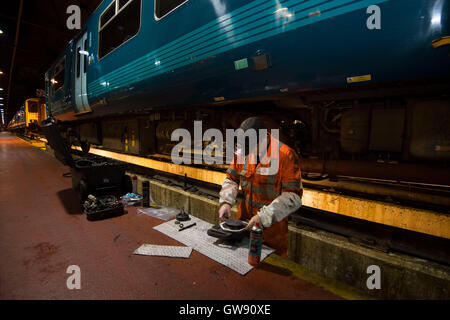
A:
225, 212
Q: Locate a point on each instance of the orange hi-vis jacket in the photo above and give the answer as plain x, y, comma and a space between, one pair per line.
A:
262, 186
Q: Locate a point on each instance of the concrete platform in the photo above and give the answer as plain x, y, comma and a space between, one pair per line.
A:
42, 233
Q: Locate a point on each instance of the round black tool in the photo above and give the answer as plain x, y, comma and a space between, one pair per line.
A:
183, 216
233, 224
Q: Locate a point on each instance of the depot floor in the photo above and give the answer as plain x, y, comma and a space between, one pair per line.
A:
42, 233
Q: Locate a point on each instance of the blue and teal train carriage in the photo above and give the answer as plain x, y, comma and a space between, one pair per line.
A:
352, 82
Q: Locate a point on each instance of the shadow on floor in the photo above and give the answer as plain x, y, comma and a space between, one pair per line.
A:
70, 200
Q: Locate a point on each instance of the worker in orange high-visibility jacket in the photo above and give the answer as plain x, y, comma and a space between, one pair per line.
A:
271, 184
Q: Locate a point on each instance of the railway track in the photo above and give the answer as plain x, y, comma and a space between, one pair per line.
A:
206, 182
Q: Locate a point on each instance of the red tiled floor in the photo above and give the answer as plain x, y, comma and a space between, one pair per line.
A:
42, 233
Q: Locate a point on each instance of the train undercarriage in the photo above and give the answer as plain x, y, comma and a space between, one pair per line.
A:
377, 135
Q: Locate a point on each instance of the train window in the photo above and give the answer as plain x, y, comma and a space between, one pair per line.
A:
78, 61
164, 7
123, 26
108, 14
32, 107
58, 79
122, 3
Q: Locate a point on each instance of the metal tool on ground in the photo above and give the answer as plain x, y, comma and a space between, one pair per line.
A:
231, 231
183, 216
182, 227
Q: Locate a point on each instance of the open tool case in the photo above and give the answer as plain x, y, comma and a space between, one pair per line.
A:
98, 181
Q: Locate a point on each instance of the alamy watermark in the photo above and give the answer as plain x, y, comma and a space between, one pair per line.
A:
247, 142
74, 19
374, 281
373, 22
74, 280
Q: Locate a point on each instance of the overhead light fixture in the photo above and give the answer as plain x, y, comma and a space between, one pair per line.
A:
1, 89
1, 98
1, 31
1, 72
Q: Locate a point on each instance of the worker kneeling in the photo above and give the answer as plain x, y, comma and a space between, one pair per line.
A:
269, 175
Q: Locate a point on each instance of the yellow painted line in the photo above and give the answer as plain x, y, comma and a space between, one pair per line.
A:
194, 173
82, 113
38, 144
338, 288
419, 220
367, 77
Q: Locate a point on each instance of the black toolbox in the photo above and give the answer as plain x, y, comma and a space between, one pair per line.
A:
93, 176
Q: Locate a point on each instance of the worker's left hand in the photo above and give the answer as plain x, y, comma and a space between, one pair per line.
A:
253, 221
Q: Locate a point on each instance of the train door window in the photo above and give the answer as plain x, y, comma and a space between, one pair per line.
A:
78, 61
85, 56
58, 79
32, 107
164, 7
117, 29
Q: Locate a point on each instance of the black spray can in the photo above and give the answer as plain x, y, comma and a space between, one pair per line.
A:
146, 194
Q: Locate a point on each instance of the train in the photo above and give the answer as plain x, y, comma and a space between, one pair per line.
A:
28, 119
353, 97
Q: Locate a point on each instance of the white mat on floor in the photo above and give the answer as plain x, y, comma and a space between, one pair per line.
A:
163, 251
163, 213
235, 257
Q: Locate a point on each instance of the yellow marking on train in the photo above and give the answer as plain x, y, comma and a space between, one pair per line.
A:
367, 77
419, 220
218, 99
444, 41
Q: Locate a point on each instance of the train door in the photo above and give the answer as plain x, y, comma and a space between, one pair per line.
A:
81, 61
